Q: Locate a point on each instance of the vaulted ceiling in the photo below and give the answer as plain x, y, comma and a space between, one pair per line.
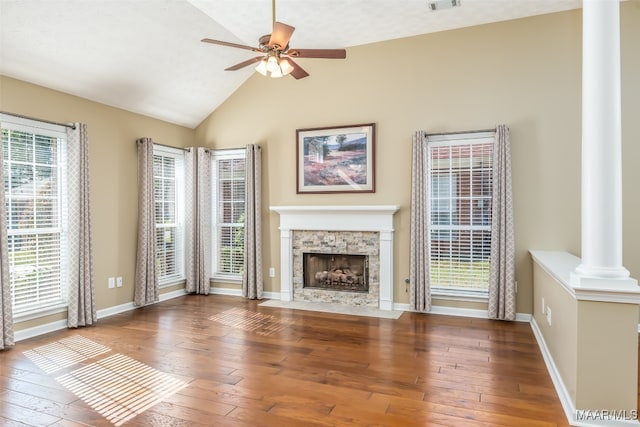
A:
145, 56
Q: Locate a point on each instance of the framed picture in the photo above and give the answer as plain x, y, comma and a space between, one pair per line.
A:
336, 159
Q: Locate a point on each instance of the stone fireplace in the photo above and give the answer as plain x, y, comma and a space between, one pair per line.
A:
338, 272
348, 252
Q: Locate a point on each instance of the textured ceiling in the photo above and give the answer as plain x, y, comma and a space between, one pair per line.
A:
146, 56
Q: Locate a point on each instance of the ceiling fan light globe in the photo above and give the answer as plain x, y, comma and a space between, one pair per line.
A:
272, 64
276, 73
262, 67
286, 67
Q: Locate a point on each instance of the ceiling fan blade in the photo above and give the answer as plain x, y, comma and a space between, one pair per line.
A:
318, 53
244, 63
298, 72
280, 35
229, 44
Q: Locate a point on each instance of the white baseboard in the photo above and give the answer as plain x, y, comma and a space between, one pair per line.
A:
34, 331
463, 312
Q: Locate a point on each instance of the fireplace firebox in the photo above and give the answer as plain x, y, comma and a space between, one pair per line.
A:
338, 272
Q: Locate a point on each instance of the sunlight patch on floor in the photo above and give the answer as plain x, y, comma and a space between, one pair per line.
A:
64, 353
262, 324
119, 388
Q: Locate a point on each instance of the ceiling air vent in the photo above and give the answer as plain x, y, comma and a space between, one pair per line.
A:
443, 4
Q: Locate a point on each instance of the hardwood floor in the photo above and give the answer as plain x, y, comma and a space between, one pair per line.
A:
225, 361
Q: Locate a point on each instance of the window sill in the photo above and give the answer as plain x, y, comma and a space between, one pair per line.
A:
30, 315
227, 278
460, 295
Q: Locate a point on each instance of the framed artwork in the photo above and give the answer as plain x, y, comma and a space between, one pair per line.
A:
337, 159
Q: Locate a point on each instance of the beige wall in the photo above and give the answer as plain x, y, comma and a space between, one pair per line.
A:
113, 174
524, 73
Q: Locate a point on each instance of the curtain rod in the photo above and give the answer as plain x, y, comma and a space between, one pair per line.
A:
460, 132
168, 146
71, 126
227, 149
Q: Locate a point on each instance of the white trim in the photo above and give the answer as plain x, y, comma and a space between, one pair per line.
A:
28, 125
30, 315
457, 311
34, 331
563, 394
460, 295
481, 137
228, 153
229, 278
562, 265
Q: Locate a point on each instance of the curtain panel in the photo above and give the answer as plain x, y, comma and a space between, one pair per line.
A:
420, 243
6, 310
146, 289
252, 285
82, 302
502, 284
198, 220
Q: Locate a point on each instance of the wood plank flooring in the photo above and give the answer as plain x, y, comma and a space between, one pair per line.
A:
226, 361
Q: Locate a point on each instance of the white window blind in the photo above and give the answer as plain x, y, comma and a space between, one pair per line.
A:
460, 174
168, 185
229, 213
34, 183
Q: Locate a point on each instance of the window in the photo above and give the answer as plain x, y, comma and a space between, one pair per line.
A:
168, 187
228, 214
460, 174
34, 184
443, 206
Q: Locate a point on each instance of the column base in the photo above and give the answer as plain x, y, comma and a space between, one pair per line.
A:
602, 272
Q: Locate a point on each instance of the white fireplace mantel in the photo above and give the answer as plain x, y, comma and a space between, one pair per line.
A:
338, 218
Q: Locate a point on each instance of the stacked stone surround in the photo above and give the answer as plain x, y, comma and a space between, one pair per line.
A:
343, 243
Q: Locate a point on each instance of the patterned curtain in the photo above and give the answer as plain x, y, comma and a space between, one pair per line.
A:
198, 220
6, 311
82, 302
146, 289
420, 299
252, 276
502, 284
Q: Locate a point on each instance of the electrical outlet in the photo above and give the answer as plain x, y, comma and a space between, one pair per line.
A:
112, 282
272, 272
549, 316
119, 281
543, 307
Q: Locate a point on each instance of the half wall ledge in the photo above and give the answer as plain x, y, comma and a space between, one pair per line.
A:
587, 331
562, 265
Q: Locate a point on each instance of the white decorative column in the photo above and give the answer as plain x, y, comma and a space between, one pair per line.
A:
601, 144
386, 269
286, 268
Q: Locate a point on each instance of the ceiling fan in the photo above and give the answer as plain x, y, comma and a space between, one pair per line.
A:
275, 57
